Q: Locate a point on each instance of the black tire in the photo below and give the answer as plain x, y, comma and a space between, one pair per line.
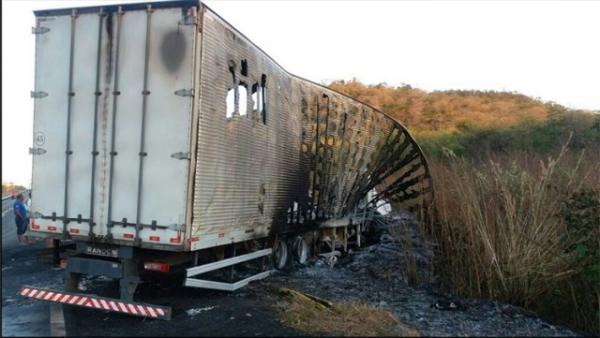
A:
300, 250
280, 254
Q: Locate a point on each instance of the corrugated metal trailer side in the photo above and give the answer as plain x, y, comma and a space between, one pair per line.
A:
200, 139
278, 153
159, 129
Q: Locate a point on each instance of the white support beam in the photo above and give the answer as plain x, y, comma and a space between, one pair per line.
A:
206, 284
226, 262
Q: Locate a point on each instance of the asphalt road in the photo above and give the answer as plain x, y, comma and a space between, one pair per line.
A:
20, 266
196, 312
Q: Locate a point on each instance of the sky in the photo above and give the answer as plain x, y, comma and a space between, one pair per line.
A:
545, 49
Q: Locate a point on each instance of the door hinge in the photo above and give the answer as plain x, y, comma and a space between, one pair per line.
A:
38, 95
39, 30
181, 156
37, 151
185, 92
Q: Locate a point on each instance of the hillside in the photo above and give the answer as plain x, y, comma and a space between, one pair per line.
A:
474, 122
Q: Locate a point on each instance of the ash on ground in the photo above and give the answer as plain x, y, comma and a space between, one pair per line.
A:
395, 274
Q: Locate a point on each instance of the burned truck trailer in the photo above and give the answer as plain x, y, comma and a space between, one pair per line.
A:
164, 138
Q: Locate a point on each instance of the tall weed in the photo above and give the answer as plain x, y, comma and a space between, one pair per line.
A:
521, 228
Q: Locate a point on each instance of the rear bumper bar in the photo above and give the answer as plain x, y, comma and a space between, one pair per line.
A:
100, 303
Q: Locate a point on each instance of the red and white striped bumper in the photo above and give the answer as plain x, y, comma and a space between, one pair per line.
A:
101, 303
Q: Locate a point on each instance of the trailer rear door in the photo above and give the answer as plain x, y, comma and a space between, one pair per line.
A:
112, 122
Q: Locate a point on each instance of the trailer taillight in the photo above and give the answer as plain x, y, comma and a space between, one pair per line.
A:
156, 266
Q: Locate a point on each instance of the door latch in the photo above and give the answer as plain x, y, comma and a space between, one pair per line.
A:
185, 92
39, 30
37, 151
181, 156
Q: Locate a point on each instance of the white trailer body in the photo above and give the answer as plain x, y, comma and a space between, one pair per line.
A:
113, 124
164, 138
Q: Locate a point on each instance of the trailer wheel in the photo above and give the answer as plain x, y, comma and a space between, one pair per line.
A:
280, 254
300, 250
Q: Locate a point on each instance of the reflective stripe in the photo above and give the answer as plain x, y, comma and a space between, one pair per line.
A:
141, 308
96, 304
132, 309
113, 305
104, 304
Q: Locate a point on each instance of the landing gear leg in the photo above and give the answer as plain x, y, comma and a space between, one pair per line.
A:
127, 290
231, 269
71, 281
56, 251
128, 284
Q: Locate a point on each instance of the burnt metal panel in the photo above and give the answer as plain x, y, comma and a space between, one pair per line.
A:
304, 155
320, 155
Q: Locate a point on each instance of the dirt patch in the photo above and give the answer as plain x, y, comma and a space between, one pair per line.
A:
316, 316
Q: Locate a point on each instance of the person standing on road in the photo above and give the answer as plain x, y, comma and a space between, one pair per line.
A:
21, 219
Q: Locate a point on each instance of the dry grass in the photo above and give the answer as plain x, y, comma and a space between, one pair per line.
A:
499, 228
340, 319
